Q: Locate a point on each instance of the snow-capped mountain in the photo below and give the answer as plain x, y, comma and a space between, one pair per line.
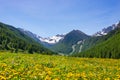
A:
49, 40
53, 39
105, 31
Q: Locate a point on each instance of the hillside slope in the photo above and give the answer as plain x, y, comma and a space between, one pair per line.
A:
106, 49
14, 40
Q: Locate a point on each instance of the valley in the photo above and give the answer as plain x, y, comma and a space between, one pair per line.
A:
59, 40
75, 43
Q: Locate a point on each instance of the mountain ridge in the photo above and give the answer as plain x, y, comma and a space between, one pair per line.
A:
77, 45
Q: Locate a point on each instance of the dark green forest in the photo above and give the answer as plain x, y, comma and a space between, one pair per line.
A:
15, 41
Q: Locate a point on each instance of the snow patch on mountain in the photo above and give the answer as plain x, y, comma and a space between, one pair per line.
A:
105, 31
53, 39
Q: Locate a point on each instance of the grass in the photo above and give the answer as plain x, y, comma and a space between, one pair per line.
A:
44, 67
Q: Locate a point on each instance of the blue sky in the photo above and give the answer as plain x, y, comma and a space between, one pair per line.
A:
51, 17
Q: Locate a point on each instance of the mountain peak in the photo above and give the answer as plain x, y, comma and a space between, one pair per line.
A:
74, 36
77, 32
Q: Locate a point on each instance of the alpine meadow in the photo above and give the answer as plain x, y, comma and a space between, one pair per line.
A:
60, 40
